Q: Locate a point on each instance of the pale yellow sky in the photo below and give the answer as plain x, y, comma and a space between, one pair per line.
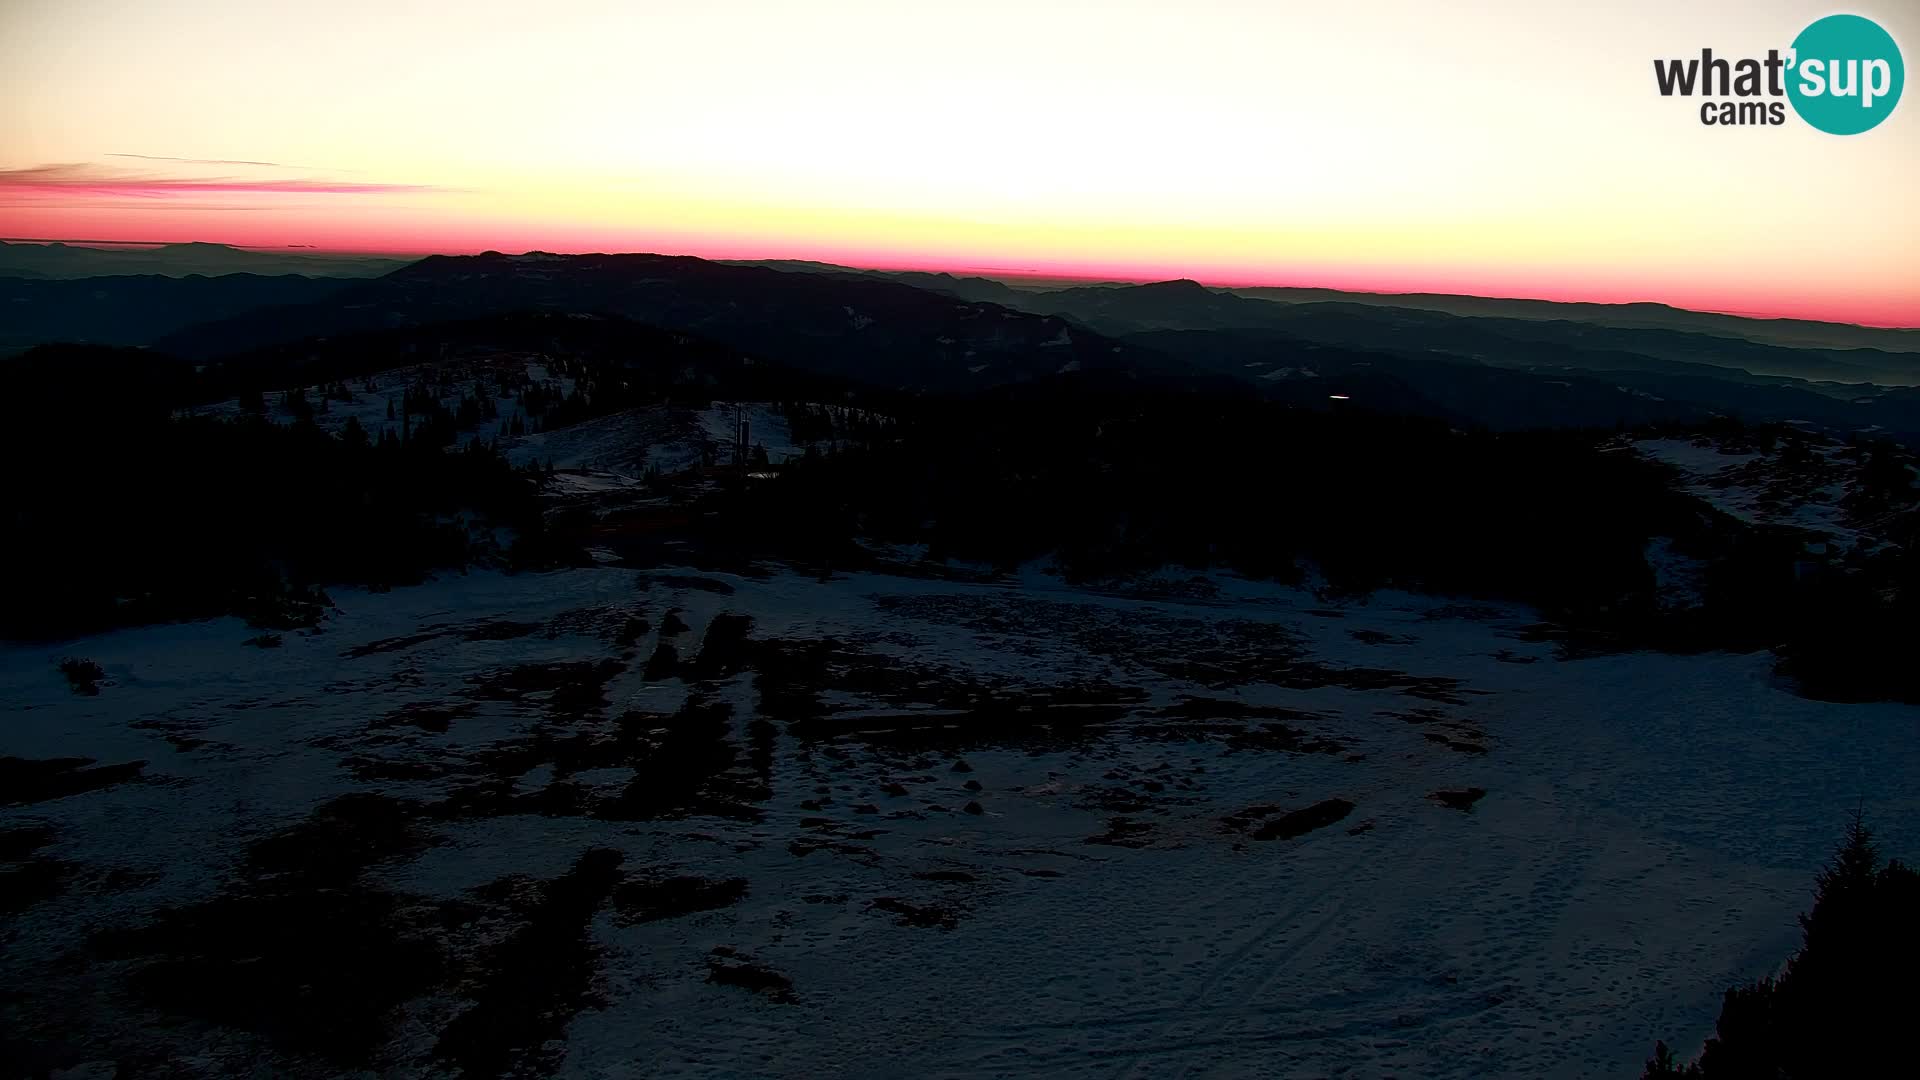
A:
1492, 145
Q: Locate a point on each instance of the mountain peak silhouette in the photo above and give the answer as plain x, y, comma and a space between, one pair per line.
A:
1176, 286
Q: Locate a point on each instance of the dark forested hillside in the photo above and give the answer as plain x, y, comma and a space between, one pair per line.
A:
878, 332
136, 310
1482, 337
150, 510
142, 515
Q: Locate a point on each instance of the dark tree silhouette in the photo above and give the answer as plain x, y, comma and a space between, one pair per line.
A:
1839, 1007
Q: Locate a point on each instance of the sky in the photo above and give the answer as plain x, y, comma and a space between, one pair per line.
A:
1499, 148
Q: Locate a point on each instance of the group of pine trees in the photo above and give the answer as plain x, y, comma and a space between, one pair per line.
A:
814, 423
153, 513
1838, 1010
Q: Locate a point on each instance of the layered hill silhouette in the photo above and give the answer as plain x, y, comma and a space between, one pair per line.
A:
938, 333
63, 261
139, 309
1635, 316
881, 332
1531, 342
1797, 333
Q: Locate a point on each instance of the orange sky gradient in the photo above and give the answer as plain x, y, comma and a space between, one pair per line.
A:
1519, 149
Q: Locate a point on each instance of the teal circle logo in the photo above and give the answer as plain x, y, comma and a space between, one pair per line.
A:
1846, 74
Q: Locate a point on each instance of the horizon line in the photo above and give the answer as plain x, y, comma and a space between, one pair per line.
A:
953, 270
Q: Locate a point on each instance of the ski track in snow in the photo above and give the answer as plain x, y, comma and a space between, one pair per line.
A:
1650, 829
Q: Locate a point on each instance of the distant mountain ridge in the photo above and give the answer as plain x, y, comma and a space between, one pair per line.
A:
1639, 315
1506, 341
68, 260
967, 287
1799, 333
881, 332
922, 333
137, 309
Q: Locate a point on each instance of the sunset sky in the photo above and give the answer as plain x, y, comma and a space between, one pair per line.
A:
1504, 147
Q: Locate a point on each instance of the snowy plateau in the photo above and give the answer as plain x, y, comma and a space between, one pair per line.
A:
615, 822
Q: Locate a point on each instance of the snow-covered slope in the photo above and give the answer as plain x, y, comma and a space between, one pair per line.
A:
370, 398
1812, 485
880, 826
665, 438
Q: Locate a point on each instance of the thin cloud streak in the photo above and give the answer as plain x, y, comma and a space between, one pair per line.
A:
209, 161
94, 182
